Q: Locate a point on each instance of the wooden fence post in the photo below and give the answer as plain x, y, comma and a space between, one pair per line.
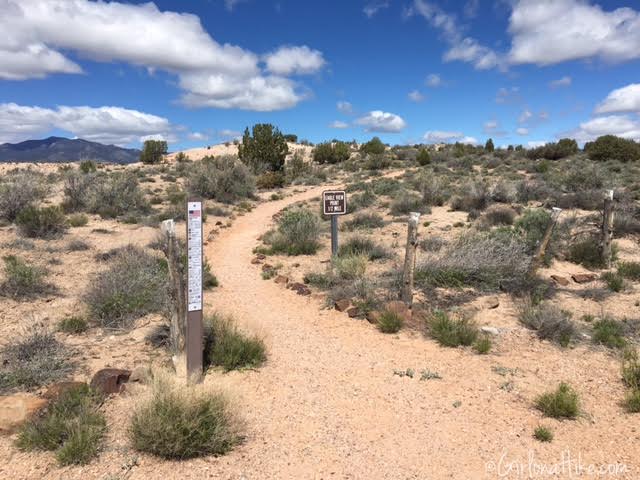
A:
406, 295
607, 228
538, 258
178, 328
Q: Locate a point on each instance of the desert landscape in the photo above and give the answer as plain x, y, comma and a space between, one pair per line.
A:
364, 240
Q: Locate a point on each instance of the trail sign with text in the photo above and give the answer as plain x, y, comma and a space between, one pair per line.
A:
334, 203
194, 328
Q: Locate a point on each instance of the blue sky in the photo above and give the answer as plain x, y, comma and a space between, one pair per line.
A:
196, 72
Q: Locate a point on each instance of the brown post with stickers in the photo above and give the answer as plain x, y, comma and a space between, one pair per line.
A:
194, 339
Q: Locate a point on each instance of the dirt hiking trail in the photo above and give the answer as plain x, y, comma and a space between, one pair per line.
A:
328, 405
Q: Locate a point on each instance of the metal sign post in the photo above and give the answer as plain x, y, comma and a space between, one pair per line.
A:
334, 203
194, 338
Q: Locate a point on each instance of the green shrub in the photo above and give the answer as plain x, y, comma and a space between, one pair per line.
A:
264, 149
423, 157
78, 245
363, 246
389, 322
227, 347
432, 189
224, 179
565, 147
451, 332
271, 180
350, 266
32, 360
561, 403
71, 426
19, 191
408, 202
77, 220
483, 345
549, 322
609, 332
331, 153
610, 147
298, 233
632, 401
364, 221
134, 284
543, 434
532, 225
179, 423
77, 189
587, 253
22, 280
385, 186
153, 151
614, 281
631, 368
117, 194
46, 222
87, 166
361, 200
499, 215
73, 324
373, 147
629, 270
473, 195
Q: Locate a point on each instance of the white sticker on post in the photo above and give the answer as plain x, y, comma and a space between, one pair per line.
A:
194, 256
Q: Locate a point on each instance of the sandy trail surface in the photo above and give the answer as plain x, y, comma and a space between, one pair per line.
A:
327, 404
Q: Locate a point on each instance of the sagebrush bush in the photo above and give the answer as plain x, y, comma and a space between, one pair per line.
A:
45, 222
23, 280
499, 215
543, 434
228, 347
364, 221
19, 191
487, 261
77, 189
549, 322
133, 285
563, 402
77, 220
609, 332
360, 245
631, 368
270, 180
361, 200
350, 266
615, 281
74, 324
297, 234
117, 194
587, 252
407, 202
71, 426
432, 189
389, 322
473, 195
632, 401
179, 423
449, 331
224, 179
630, 270
32, 360
483, 345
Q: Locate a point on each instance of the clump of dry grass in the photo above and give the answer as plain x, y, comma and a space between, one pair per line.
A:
178, 422
549, 321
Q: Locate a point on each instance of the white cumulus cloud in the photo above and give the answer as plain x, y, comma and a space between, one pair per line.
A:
294, 60
561, 82
338, 124
522, 131
379, 121
415, 96
621, 100
111, 125
433, 80
625, 126
370, 9
443, 136
344, 107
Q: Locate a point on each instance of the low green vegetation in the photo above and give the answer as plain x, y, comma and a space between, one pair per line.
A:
543, 434
298, 233
228, 347
389, 322
71, 426
449, 331
23, 280
614, 281
45, 222
73, 325
483, 345
629, 270
549, 322
609, 332
360, 245
563, 402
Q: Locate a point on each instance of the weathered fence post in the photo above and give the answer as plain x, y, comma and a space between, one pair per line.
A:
406, 294
538, 258
178, 298
607, 228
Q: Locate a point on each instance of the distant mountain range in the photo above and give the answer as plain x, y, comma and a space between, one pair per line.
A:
59, 150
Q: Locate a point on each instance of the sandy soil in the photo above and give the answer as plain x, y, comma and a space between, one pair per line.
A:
231, 149
328, 405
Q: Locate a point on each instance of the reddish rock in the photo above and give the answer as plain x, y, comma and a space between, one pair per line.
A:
300, 288
110, 380
560, 280
218, 223
343, 304
353, 312
584, 277
17, 409
57, 389
256, 261
281, 280
266, 267
261, 256
373, 316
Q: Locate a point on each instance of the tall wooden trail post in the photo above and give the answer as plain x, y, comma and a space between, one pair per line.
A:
406, 293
